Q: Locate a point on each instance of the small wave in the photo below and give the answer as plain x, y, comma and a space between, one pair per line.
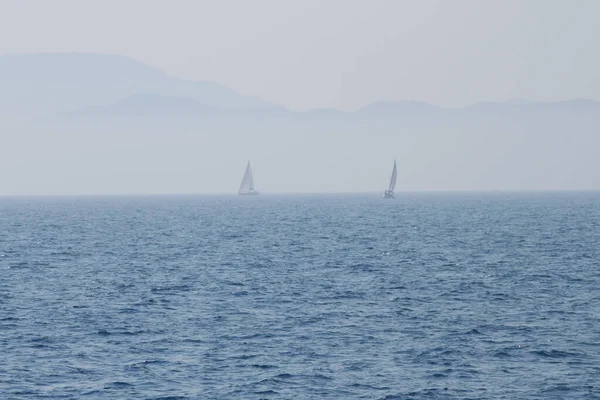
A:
348, 295
18, 265
254, 336
266, 392
553, 353
363, 267
131, 333
442, 374
474, 331
103, 332
194, 341
370, 387
505, 352
125, 286
399, 287
244, 357
145, 302
424, 393
264, 366
558, 389
171, 289
145, 363
44, 339
128, 310
79, 370
117, 385
320, 377
233, 283
94, 392
40, 264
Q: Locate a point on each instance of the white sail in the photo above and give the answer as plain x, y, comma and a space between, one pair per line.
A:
389, 193
247, 185
393, 179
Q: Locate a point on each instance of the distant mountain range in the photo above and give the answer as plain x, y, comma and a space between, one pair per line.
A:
88, 123
44, 84
104, 86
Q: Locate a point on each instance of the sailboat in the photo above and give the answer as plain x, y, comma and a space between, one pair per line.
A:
247, 186
389, 193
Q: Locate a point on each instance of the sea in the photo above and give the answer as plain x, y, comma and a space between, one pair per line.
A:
428, 296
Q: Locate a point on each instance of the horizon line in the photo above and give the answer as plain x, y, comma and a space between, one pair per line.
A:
269, 194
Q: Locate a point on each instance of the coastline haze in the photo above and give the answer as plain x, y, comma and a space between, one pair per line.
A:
181, 102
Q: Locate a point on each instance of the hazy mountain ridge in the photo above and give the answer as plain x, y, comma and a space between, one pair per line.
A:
146, 105
45, 84
132, 129
95, 85
163, 106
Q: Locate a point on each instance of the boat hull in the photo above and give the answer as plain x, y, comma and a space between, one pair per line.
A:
388, 194
254, 193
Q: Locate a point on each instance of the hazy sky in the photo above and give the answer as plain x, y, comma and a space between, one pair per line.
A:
330, 53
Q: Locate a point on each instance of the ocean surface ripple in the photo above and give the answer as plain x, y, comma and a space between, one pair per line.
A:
429, 296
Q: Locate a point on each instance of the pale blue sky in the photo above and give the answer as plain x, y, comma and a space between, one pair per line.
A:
335, 53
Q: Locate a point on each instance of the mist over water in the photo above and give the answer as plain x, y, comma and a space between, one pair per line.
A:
297, 154
107, 124
427, 296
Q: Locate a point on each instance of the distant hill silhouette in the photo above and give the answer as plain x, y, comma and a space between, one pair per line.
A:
105, 86
43, 84
147, 105
380, 112
89, 123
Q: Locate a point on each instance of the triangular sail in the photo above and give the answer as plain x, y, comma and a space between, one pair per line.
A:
247, 184
393, 179
250, 178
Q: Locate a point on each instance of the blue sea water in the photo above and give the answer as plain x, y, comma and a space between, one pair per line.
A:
429, 296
